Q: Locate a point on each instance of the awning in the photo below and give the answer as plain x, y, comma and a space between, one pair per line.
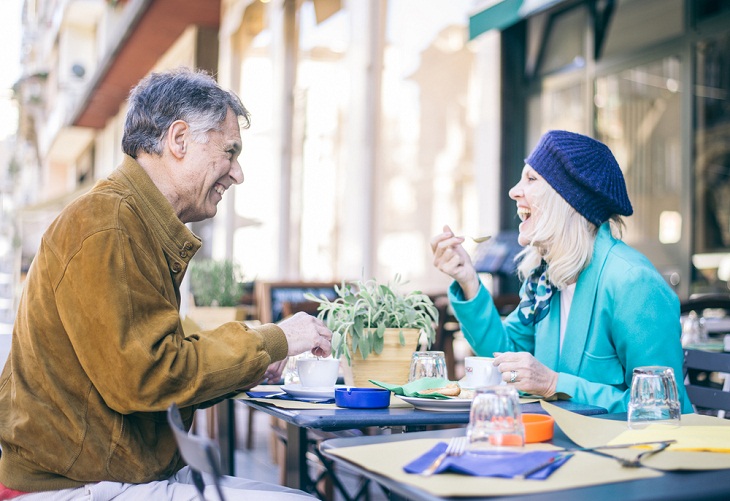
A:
505, 13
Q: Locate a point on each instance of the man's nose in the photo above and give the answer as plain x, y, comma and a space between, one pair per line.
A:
236, 172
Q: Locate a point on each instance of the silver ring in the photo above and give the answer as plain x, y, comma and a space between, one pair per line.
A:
512, 376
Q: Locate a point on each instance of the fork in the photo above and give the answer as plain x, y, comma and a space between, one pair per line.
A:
455, 448
636, 462
629, 463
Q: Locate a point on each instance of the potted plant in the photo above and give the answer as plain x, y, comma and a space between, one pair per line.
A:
217, 287
380, 322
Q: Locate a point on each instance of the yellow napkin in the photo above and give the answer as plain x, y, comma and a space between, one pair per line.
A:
689, 438
589, 431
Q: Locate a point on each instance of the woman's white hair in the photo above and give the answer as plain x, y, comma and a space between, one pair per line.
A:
563, 238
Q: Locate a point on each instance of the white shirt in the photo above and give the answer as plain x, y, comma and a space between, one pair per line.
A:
566, 300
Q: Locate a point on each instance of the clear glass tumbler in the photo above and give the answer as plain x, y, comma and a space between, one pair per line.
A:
427, 364
495, 419
654, 398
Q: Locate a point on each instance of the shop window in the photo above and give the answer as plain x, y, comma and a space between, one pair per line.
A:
559, 108
638, 115
712, 145
564, 40
637, 24
708, 9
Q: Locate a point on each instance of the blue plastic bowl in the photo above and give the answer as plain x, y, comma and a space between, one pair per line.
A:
362, 398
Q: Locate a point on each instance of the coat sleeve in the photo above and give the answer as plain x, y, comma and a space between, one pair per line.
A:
483, 326
640, 315
118, 304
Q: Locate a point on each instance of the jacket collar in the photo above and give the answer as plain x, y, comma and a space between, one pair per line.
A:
178, 243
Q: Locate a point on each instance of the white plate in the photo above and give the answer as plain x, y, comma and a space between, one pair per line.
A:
299, 391
432, 404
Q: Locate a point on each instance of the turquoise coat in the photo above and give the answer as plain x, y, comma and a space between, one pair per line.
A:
623, 315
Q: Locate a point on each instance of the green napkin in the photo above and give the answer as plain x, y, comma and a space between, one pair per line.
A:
414, 388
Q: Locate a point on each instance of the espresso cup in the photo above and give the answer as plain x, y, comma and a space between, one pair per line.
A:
654, 398
318, 372
427, 364
480, 371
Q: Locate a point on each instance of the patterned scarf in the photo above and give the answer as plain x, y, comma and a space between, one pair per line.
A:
535, 303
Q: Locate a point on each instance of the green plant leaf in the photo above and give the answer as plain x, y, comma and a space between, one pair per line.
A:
378, 344
364, 346
216, 282
336, 344
364, 305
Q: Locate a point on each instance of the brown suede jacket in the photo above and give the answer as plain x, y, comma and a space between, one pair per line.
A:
98, 350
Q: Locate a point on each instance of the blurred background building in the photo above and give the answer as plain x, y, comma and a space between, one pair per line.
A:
376, 122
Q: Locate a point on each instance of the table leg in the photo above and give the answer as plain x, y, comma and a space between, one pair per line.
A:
295, 460
227, 436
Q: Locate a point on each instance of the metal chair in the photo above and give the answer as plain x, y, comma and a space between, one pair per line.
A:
698, 365
200, 453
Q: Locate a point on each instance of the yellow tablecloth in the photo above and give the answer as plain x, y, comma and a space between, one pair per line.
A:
581, 470
696, 432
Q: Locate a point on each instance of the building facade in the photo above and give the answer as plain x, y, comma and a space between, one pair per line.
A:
375, 123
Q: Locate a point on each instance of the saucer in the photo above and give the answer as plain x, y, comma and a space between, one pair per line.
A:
299, 391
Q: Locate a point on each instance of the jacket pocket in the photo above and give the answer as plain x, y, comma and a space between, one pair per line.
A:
602, 369
143, 448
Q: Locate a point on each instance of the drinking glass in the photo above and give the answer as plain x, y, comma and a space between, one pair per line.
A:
694, 330
495, 419
427, 364
654, 398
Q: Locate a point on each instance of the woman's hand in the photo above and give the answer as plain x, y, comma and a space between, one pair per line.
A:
530, 375
451, 258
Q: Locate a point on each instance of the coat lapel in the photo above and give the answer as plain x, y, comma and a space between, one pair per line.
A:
581, 310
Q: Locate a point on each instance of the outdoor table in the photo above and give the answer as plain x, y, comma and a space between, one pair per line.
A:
672, 485
406, 419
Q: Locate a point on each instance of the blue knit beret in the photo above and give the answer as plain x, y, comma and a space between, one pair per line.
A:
584, 172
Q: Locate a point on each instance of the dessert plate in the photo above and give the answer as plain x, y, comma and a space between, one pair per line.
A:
299, 391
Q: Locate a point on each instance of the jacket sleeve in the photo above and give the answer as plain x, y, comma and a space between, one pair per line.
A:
119, 306
483, 326
640, 313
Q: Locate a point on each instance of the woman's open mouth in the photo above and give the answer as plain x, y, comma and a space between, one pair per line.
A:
523, 213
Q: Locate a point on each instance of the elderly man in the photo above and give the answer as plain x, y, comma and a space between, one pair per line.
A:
98, 351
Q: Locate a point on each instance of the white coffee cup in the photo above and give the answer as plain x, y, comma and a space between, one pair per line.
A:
318, 372
480, 371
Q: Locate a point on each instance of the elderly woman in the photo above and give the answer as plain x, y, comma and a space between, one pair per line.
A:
592, 308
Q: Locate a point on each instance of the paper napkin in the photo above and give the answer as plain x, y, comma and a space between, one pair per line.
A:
504, 464
415, 388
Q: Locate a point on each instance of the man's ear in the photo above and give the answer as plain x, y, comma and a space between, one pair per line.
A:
177, 138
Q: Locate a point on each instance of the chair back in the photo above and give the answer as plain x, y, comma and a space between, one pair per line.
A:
698, 365
701, 302
200, 453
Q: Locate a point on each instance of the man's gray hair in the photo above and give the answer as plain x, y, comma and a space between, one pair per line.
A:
182, 94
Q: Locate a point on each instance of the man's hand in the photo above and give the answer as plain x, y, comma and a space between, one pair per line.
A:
530, 375
306, 333
274, 371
